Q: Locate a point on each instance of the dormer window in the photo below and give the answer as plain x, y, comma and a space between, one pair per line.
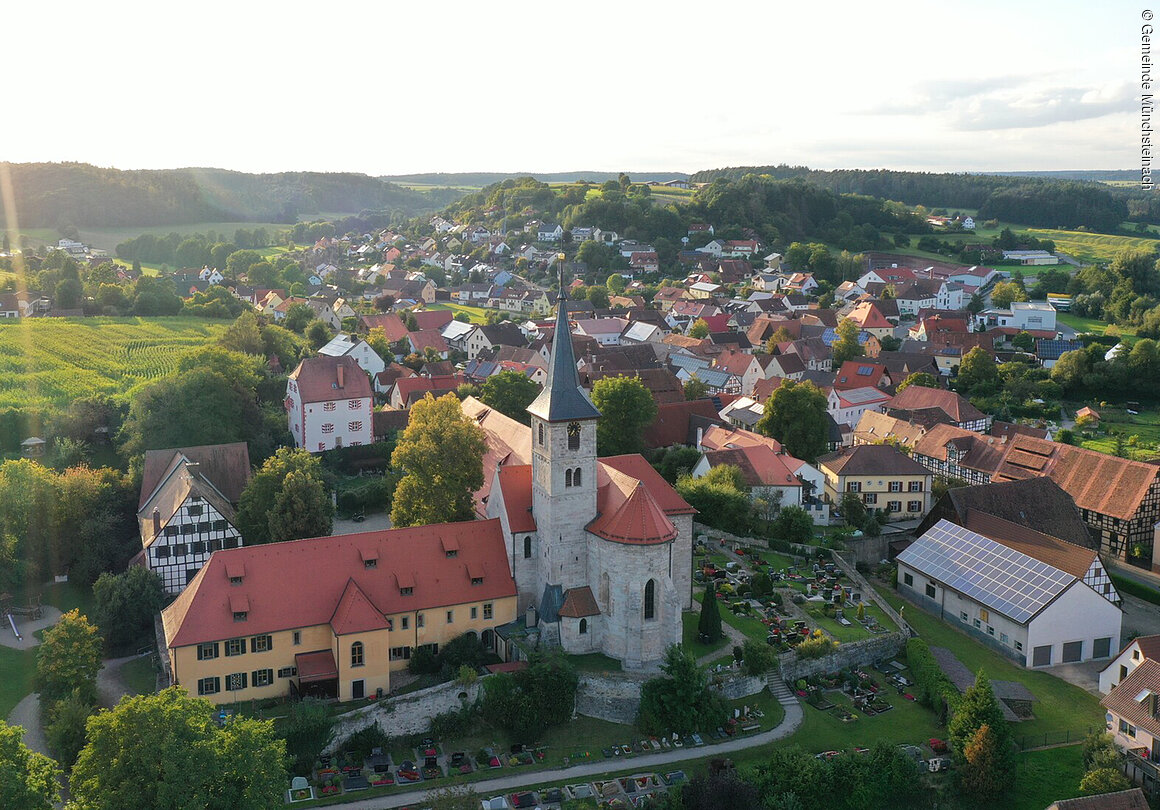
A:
241, 615
235, 580
406, 591
370, 564
452, 553
477, 580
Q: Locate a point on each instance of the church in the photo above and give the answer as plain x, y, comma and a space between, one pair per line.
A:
600, 548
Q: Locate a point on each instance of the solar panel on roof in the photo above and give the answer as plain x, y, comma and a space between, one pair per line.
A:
988, 572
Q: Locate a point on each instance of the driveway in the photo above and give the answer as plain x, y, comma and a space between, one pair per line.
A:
374, 522
27, 715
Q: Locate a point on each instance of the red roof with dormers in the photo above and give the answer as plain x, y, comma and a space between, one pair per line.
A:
304, 583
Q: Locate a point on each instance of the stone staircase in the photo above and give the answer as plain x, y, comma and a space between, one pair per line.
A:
779, 690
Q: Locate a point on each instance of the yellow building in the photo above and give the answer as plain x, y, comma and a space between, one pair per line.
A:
885, 478
335, 616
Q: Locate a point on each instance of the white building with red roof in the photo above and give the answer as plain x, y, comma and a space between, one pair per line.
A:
600, 549
328, 403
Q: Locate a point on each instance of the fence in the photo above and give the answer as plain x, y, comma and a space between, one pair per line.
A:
1029, 742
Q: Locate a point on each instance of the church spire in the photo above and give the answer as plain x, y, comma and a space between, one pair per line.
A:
562, 399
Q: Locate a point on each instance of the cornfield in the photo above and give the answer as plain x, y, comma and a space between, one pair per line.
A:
48, 362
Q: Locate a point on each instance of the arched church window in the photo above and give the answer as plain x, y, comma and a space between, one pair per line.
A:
576, 477
567, 478
541, 433
650, 595
573, 435
583, 626
527, 547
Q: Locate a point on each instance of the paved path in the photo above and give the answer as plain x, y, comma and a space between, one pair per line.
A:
27, 714
111, 687
589, 770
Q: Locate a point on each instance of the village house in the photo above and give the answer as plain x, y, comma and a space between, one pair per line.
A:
336, 617
328, 402
846, 406
187, 508
342, 345
883, 477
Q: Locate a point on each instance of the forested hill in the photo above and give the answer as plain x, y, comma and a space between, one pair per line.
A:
1037, 201
481, 179
57, 194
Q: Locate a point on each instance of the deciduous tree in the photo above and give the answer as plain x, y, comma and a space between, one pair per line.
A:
441, 456
923, 379
69, 659
28, 780
847, 346
695, 389
270, 489
795, 415
510, 393
699, 329
126, 604
166, 752
626, 409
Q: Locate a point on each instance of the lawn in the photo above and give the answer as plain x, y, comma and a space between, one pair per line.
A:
476, 314
17, 672
49, 362
1059, 705
1047, 776
1081, 324
908, 723
140, 675
691, 618
1141, 431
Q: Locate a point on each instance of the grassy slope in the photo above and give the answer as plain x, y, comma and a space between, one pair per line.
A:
1059, 706
477, 314
51, 361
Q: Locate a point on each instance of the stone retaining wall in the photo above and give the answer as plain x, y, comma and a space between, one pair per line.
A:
798, 549
855, 654
611, 696
406, 714
741, 686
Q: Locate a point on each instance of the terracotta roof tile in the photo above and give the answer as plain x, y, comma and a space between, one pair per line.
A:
355, 613
578, 603
1131, 799
871, 459
1122, 702
226, 466
302, 583
635, 466
509, 443
627, 513
917, 397
318, 379
515, 482
673, 419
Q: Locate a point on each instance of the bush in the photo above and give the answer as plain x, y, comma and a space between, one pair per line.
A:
937, 691
423, 662
65, 727
759, 657
125, 606
455, 723
815, 647
307, 730
360, 743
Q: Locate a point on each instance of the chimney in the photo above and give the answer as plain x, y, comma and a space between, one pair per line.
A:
340, 375
700, 435
156, 521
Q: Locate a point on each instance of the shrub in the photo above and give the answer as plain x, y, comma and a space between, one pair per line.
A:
815, 647
759, 657
455, 723
307, 731
936, 689
360, 743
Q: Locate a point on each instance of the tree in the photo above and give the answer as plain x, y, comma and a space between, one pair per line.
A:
244, 335
69, 292
699, 329
1024, 342
525, 702
922, 379
309, 497
441, 456
847, 346
986, 770
166, 752
976, 708
301, 509
510, 393
626, 409
598, 296
695, 389
709, 622
239, 262
308, 730
853, 510
298, 317
28, 780
976, 304
793, 524
1103, 780
680, 700
187, 410
64, 728
795, 415
318, 334
978, 373
68, 659
1005, 292
758, 656
1099, 751
126, 604
720, 503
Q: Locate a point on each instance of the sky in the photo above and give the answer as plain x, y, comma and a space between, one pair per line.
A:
502, 85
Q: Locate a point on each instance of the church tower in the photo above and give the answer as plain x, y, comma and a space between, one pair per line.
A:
563, 464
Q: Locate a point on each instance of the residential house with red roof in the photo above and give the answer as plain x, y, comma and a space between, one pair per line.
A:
950, 407
870, 319
1134, 653
336, 617
328, 402
861, 373
1118, 498
846, 406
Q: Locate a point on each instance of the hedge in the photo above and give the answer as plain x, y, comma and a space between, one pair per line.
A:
1136, 589
937, 690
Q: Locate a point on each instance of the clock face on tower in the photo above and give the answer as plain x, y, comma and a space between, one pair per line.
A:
573, 435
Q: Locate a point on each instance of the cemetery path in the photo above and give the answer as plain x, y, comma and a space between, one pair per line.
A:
589, 770
27, 714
